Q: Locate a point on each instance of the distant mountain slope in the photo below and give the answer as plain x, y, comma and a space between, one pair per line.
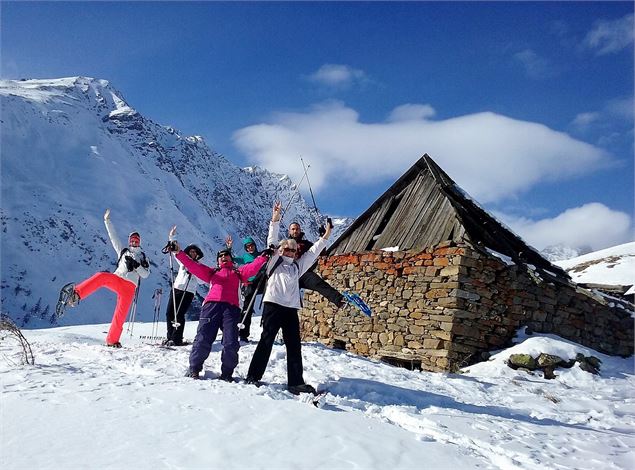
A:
614, 266
73, 147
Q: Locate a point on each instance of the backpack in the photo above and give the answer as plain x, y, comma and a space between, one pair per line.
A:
123, 252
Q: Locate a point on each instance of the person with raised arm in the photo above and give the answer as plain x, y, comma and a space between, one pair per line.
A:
281, 305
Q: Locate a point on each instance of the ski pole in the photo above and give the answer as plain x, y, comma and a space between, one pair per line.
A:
157, 310
241, 325
317, 212
175, 324
297, 186
133, 312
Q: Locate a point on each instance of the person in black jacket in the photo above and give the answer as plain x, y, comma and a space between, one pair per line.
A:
310, 280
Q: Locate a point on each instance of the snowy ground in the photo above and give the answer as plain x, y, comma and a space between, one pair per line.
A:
87, 406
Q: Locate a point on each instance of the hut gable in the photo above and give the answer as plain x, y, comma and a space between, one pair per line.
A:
424, 208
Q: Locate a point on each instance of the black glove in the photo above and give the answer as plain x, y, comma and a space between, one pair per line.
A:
267, 252
321, 230
131, 263
144, 263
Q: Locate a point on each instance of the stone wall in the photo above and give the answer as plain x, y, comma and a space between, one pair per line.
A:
441, 308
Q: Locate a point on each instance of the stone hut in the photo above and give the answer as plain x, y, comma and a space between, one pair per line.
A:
447, 282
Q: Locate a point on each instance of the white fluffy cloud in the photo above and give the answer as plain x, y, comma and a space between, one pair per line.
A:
337, 75
608, 37
536, 67
591, 225
491, 156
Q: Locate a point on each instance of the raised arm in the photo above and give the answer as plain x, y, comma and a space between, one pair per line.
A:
204, 273
307, 260
112, 233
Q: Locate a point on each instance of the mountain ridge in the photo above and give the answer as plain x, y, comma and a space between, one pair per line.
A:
73, 147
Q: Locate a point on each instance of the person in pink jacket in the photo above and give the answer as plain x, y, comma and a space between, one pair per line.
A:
220, 308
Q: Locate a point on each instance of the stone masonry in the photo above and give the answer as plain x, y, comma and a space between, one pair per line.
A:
440, 309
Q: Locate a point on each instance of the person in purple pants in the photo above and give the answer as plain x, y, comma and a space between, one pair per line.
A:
220, 308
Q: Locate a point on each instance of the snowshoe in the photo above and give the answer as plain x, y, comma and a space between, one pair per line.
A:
68, 298
192, 375
116, 345
252, 381
303, 388
357, 302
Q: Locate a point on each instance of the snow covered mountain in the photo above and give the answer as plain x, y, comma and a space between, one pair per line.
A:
611, 266
562, 252
73, 147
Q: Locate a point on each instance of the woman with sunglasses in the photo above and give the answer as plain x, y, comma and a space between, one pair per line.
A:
281, 305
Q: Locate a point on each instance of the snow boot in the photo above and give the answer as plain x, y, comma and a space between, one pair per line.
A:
114, 345
304, 388
227, 378
252, 381
192, 374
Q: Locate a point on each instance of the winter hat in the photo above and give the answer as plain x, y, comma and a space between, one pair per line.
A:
247, 241
134, 235
223, 252
199, 253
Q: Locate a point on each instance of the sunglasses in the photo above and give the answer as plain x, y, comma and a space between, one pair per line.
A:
292, 250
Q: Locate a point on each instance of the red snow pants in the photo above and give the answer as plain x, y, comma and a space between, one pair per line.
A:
125, 294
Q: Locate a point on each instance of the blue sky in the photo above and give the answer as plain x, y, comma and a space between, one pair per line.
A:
528, 106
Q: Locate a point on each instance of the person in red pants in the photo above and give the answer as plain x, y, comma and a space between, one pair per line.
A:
132, 265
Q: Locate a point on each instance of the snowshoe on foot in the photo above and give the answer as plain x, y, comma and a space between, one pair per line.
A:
192, 374
303, 388
227, 378
68, 298
252, 381
114, 345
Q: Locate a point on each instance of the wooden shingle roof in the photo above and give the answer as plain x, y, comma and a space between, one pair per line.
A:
425, 207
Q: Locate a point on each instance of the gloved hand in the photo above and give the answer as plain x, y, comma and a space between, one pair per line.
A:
321, 230
144, 263
267, 252
131, 263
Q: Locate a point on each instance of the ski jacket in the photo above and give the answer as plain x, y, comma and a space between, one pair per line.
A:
123, 251
224, 281
282, 285
185, 281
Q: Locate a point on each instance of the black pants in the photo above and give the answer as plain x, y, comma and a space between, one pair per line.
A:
183, 301
310, 280
274, 317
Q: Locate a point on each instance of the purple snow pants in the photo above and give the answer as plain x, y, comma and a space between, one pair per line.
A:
213, 315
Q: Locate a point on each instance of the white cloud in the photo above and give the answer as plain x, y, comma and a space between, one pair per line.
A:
621, 107
608, 36
583, 120
535, 66
409, 112
614, 113
591, 225
336, 75
491, 156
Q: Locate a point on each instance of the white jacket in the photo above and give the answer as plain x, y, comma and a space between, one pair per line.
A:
282, 285
134, 251
182, 277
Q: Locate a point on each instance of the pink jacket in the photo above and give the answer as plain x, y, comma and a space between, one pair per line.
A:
224, 281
